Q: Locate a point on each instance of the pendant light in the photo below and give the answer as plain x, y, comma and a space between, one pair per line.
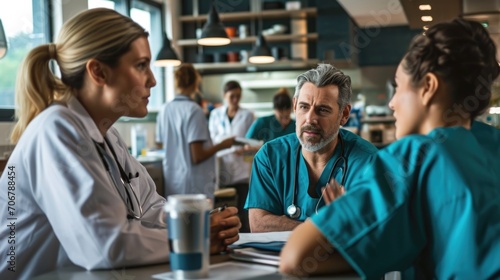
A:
213, 33
3, 41
261, 53
167, 55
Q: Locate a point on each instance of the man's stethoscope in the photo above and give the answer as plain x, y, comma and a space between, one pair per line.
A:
293, 210
134, 209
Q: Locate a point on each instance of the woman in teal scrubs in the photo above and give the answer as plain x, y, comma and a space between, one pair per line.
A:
430, 203
276, 125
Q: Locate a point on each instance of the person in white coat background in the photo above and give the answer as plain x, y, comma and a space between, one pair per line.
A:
232, 120
182, 130
72, 193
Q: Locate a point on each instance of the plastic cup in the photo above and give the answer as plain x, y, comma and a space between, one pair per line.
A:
188, 225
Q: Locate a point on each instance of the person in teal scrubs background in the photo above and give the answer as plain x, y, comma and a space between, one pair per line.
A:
276, 125
288, 173
429, 204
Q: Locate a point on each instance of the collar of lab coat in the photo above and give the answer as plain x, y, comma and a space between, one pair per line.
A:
77, 108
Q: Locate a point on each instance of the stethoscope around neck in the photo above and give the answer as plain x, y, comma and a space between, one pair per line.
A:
134, 208
293, 210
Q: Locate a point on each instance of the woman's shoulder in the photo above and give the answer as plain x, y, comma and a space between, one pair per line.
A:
55, 115
219, 110
246, 111
56, 123
438, 140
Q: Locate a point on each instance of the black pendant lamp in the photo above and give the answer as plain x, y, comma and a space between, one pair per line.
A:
167, 55
261, 53
213, 33
3, 41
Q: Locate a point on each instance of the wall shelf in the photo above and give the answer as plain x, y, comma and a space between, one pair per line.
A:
208, 68
265, 14
301, 35
251, 39
281, 63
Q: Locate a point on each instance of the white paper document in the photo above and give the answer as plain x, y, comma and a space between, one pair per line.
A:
263, 237
261, 248
248, 141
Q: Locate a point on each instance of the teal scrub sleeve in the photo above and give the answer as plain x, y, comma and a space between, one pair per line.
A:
375, 226
263, 192
253, 131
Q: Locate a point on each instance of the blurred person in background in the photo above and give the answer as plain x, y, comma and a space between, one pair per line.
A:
182, 130
276, 125
231, 120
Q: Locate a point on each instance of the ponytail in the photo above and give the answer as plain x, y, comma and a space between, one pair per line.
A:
36, 88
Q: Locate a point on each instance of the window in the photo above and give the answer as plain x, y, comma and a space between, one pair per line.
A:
26, 26
117, 5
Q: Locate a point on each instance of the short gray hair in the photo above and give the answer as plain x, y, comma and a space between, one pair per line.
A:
325, 75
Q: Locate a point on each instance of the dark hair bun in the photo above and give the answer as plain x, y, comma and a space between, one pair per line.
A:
462, 53
186, 77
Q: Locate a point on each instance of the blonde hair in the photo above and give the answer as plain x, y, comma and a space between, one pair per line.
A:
187, 79
101, 33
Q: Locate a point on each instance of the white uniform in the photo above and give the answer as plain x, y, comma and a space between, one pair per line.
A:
232, 169
64, 206
179, 123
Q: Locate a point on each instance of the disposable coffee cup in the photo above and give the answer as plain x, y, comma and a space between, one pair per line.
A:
188, 226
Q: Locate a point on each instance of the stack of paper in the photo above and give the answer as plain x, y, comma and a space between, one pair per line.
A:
248, 141
256, 256
261, 248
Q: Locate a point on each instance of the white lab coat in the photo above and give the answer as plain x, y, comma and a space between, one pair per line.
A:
232, 167
67, 210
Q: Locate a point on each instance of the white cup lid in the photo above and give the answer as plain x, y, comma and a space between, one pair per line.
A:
187, 202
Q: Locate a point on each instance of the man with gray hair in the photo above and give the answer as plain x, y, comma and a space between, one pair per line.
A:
291, 174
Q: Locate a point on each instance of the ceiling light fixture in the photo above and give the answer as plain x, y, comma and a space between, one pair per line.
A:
167, 55
425, 7
261, 53
213, 33
426, 18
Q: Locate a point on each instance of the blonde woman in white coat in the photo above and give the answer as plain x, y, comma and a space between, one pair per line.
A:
232, 120
76, 196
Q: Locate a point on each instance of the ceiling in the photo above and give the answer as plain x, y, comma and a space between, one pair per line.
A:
406, 12
400, 12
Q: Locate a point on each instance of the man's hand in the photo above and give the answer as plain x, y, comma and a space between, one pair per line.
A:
224, 229
332, 191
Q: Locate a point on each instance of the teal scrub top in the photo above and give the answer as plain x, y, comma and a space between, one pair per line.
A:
273, 173
489, 138
429, 204
268, 128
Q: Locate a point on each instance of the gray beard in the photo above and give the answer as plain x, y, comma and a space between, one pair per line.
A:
316, 147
